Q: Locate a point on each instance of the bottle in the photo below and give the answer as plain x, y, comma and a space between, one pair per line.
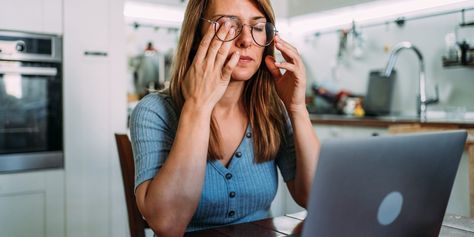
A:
452, 53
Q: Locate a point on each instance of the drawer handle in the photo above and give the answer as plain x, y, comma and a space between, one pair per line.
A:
95, 53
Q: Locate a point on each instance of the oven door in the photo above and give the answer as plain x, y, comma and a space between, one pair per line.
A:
31, 134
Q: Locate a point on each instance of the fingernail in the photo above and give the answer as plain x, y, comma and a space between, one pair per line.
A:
227, 23
232, 31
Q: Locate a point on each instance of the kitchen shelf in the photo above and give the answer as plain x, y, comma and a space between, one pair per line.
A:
456, 64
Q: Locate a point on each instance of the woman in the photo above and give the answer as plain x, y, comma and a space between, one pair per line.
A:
206, 152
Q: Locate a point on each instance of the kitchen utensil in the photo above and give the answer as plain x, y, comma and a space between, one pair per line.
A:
379, 93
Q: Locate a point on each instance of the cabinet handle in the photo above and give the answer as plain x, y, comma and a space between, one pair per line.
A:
96, 53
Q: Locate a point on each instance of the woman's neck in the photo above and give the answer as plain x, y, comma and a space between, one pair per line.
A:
232, 101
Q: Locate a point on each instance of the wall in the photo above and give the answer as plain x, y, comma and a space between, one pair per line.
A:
427, 34
301, 7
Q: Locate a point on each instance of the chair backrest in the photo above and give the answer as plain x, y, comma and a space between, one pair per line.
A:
136, 222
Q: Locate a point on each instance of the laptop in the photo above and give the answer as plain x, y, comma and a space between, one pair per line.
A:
384, 186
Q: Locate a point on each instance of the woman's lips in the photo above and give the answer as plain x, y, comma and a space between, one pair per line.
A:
245, 59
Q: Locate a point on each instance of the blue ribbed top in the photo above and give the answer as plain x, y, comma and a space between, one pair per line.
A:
241, 192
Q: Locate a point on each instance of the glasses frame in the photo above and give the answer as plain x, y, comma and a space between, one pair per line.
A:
214, 22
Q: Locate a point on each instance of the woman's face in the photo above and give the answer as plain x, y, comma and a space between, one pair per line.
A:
248, 13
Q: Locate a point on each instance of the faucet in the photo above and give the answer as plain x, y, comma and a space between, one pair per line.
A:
422, 100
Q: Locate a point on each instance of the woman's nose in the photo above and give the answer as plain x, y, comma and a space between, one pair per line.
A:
244, 40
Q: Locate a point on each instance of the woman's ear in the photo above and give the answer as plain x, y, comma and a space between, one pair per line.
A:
274, 70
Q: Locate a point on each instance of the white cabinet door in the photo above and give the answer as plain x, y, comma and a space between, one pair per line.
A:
94, 108
86, 25
31, 15
24, 15
86, 76
53, 16
32, 204
86, 148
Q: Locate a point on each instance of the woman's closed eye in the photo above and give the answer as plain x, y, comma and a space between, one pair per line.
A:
260, 27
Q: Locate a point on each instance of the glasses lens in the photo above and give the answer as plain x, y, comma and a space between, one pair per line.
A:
263, 33
234, 24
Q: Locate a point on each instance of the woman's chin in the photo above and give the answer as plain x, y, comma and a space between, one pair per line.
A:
241, 74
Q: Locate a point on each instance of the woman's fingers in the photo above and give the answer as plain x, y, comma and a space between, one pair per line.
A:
274, 70
230, 66
284, 42
288, 53
204, 45
287, 66
216, 43
223, 52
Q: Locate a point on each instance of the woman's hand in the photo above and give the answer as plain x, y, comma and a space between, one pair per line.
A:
290, 86
209, 75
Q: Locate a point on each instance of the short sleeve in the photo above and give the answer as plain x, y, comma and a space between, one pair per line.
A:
286, 157
152, 129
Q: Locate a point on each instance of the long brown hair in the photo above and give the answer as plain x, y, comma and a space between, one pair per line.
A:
262, 104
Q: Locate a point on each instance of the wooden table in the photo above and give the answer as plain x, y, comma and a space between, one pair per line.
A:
290, 224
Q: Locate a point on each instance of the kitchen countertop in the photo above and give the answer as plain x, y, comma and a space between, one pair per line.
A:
386, 121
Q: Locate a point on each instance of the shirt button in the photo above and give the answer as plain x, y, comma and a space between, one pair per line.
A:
228, 176
231, 213
248, 135
232, 194
238, 154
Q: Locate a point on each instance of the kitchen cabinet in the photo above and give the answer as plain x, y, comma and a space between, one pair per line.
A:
94, 109
32, 204
325, 132
32, 16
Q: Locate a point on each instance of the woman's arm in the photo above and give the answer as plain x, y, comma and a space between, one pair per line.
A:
307, 151
170, 199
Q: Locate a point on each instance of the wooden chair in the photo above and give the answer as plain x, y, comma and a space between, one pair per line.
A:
135, 220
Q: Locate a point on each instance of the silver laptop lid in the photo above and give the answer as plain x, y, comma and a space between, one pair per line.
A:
384, 186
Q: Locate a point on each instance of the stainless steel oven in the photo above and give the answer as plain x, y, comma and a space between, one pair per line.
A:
31, 117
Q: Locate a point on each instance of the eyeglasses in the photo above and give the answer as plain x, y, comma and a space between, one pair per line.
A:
262, 33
